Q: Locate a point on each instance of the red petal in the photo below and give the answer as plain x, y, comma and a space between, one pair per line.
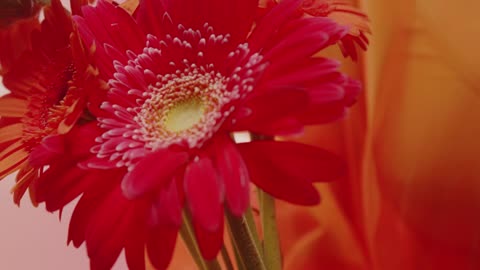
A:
299, 160
87, 205
234, 173
234, 17
82, 138
167, 207
271, 106
70, 185
50, 148
209, 243
152, 172
160, 245
323, 113
135, 249
271, 22
107, 231
276, 168
203, 194
149, 16
284, 127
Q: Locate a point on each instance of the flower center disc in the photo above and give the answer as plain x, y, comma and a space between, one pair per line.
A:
184, 114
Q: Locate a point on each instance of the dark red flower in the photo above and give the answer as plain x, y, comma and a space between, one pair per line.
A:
184, 76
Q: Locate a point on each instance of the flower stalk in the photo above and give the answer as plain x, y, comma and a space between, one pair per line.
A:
243, 240
271, 244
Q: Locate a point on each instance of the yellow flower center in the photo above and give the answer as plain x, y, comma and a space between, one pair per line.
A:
185, 114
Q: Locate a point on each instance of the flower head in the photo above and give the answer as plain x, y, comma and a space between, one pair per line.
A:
184, 77
46, 98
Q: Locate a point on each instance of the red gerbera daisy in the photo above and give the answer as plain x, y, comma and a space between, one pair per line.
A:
46, 97
184, 76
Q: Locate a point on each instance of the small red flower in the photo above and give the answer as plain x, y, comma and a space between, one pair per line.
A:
184, 76
46, 98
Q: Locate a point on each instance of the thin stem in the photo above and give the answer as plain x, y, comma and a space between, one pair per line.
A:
226, 258
253, 227
242, 238
187, 233
271, 244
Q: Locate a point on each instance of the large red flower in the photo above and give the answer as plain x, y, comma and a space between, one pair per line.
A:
184, 76
46, 97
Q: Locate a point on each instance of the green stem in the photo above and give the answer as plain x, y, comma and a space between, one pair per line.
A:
188, 235
253, 227
242, 238
271, 244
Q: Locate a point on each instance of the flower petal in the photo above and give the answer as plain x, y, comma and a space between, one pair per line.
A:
209, 243
203, 194
87, 205
147, 17
234, 173
10, 132
152, 171
107, 229
50, 148
160, 245
12, 107
167, 207
269, 107
287, 176
234, 17
135, 249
